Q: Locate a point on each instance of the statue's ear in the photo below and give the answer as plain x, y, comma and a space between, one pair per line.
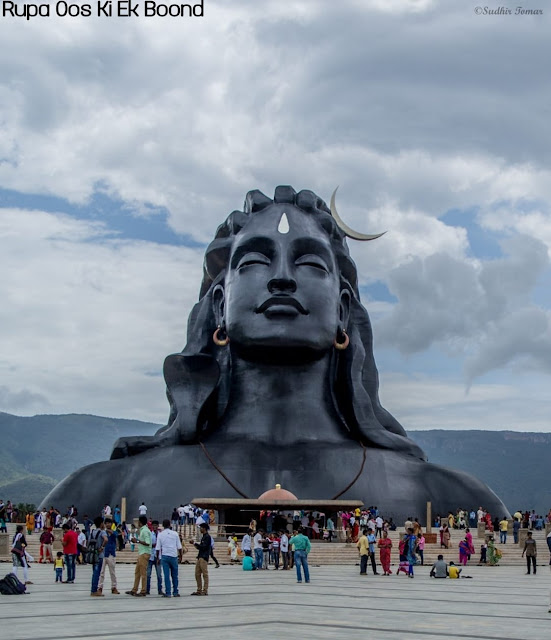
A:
218, 300
344, 308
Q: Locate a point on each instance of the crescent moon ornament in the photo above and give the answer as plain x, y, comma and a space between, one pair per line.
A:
355, 235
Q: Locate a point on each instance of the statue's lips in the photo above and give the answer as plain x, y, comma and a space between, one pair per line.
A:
281, 306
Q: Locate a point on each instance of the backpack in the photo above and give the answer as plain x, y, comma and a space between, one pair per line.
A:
92, 552
11, 585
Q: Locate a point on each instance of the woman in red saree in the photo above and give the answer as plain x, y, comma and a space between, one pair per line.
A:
385, 545
355, 532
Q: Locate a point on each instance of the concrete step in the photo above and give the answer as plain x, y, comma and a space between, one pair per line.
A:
334, 553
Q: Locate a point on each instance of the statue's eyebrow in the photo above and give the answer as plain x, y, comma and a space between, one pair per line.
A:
302, 246
255, 244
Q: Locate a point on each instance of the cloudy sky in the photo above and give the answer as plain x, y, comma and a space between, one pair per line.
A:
124, 142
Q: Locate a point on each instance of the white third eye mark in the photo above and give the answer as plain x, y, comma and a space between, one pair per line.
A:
283, 226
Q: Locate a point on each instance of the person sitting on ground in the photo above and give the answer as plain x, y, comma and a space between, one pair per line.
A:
248, 564
439, 568
453, 571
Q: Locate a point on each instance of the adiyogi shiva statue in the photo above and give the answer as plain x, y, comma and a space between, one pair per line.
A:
277, 383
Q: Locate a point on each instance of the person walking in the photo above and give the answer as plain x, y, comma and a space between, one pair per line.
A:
330, 529
411, 548
216, 563
98, 540
18, 553
109, 558
463, 552
516, 527
70, 550
531, 552
385, 547
143, 541
302, 549
169, 551
202, 564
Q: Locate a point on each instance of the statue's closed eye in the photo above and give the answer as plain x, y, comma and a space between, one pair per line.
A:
312, 260
253, 258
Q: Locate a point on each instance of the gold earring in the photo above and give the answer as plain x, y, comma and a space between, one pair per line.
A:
341, 346
217, 340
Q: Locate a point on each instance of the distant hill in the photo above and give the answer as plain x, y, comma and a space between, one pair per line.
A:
516, 465
37, 452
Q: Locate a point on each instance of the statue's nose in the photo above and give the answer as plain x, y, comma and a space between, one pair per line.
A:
283, 281
282, 285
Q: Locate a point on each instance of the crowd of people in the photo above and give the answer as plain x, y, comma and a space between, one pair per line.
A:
285, 546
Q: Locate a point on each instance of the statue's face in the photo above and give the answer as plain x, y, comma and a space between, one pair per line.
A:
282, 288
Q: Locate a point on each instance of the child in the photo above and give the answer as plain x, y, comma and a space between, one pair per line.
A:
132, 536
483, 551
59, 563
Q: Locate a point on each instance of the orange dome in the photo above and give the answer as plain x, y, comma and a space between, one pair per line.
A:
277, 494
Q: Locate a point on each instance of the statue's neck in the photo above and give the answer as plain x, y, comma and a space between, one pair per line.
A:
280, 403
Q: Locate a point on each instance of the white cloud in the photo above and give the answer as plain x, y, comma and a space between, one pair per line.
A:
482, 309
89, 318
413, 107
425, 402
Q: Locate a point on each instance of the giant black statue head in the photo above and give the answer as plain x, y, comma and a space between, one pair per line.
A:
281, 285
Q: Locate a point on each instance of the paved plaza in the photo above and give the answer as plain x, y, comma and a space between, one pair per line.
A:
498, 603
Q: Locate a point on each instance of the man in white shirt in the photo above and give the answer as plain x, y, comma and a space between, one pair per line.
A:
81, 546
153, 560
257, 547
181, 515
246, 543
142, 509
169, 551
284, 548
379, 526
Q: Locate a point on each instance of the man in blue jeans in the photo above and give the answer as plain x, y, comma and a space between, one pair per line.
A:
70, 550
99, 538
153, 561
169, 551
257, 548
302, 547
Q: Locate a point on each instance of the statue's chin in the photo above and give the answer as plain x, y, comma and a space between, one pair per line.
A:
276, 352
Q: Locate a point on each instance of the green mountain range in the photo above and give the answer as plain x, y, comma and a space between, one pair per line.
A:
39, 451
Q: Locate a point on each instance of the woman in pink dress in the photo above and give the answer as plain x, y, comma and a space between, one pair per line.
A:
469, 539
385, 546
